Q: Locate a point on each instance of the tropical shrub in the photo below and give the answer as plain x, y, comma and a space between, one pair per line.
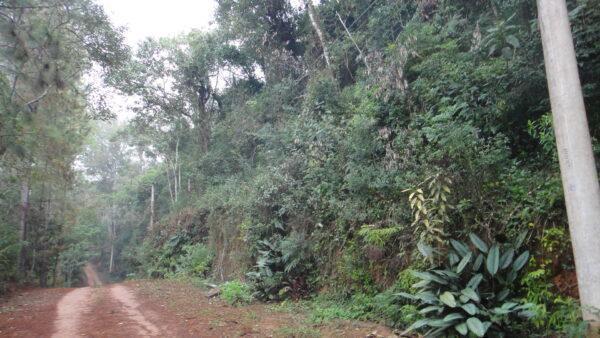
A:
175, 257
72, 261
195, 260
161, 261
283, 267
236, 293
9, 249
475, 290
554, 313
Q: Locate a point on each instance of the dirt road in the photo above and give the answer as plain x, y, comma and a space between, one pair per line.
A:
155, 309
81, 312
92, 311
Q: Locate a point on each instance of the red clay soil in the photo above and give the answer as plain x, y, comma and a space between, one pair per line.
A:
205, 317
155, 309
566, 283
30, 313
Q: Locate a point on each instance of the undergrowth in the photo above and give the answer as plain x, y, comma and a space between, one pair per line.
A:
236, 293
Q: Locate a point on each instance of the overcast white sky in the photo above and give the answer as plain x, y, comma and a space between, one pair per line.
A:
158, 18
151, 18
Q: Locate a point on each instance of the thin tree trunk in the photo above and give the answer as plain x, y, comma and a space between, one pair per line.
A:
170, 187
23, 227
175, 167
178, 174
175, 187
151, 208
112, 255
112, 237
577, 165
312, 14
112, 234
360, 52
33, 259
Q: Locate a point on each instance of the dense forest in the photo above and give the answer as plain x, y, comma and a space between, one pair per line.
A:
354, 152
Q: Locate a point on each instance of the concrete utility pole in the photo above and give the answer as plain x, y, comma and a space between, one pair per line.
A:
577, 166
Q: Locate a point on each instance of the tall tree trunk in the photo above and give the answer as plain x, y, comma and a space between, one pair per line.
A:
33, 261
23, 227
577, 165
177, 172
312, 14
178, 164
113, 236
203, 116
360, 52
170, 186
174, 174
151, 208
112, 257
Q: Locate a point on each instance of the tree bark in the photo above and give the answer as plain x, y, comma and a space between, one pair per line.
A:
577, 165
177, 172
174, 173
112, 255
203, 116
23, 227
112, 233
169, 181
151, 225
312, 14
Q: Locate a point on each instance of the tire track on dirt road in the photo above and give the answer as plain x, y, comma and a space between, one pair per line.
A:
98, 310
131, 306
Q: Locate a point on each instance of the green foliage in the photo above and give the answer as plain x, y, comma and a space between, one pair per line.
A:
236, 293
195, 260
265, 160
167, 260
475, 291
377, 236
541, 130
9, 249
385, 307
431, 213
352, 272
72, 261
553, 313
282, 267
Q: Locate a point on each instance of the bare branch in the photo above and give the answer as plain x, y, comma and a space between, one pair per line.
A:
37, 99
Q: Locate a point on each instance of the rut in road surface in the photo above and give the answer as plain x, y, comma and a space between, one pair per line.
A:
69, 311
85, 309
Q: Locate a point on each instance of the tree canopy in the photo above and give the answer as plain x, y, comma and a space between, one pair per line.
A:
429, 121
